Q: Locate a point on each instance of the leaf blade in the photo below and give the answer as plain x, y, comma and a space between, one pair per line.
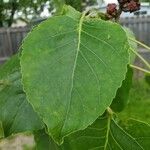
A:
68, 63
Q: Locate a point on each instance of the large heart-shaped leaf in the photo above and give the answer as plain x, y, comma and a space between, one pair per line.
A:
71, 70
103, 134
16, 114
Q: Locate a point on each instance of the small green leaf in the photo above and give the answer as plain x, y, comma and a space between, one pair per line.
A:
16, 113
121, 99
68, 66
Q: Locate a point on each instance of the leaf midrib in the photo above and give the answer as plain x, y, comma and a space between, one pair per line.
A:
73, 72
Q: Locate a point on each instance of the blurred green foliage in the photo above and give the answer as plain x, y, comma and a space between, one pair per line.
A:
139, 102
26, 10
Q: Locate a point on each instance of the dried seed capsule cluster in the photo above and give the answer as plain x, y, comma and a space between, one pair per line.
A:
112, 10
124, 5
129, 5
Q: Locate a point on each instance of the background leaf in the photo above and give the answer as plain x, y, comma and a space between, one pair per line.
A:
121, 99
16, 113
73, 62
103, 134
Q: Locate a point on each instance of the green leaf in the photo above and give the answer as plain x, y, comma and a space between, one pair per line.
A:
68, 66
140, 131
16, 113
121, 99
103, 134
1, 130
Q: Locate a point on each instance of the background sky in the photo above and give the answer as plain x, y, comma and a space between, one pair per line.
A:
110, 1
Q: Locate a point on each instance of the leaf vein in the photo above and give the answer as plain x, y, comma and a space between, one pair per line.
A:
114, 50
